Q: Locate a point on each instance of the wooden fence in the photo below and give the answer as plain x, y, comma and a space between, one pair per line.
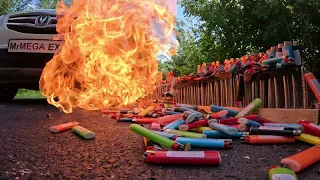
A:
282, 88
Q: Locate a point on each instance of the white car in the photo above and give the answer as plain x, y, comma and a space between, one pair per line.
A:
26, 45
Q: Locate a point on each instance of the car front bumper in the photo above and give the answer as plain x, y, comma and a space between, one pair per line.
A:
22, 70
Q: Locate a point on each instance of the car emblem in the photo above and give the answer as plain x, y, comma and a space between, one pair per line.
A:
43, 20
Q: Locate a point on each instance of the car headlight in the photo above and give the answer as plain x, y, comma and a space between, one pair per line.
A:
1, 19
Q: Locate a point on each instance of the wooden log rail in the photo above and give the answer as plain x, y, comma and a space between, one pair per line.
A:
285, 94
283, 88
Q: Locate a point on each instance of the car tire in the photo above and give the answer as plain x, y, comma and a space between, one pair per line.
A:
7, 93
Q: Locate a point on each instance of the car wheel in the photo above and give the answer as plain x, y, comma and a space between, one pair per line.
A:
7, 93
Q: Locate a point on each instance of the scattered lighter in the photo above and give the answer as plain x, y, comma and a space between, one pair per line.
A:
310, 128
63, 127
188, 106
168, 119
144, 120
191, 118
198, 114
224, 128
234, 120
184, 157
219, 134
83, 132
267, 139
125, 119
186, 133
174, 125
231, 112
315, 140
248, 122
168, 143
186, 127
295, 126
218, 115
144, 112
281, 173
167, 135
303, 159
155, 126
277, 131
250, 108
205, 143
200, 129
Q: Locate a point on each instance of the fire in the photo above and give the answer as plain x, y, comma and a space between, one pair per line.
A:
108, 58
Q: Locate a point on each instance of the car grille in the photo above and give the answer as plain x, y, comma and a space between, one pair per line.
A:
25, 23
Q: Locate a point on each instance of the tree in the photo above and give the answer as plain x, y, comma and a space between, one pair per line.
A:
8, 6
232, 28
47, 4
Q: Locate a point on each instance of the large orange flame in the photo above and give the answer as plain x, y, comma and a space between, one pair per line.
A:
108, 58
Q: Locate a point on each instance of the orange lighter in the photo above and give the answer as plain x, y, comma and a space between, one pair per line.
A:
267, 139
303, 159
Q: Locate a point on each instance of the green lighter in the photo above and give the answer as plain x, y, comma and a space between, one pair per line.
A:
281, 173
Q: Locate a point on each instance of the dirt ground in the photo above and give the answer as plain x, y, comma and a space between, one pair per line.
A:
28, 150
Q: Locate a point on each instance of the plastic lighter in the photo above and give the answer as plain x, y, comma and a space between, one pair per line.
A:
248, 122
310, 128
167, 135
63, 127
172, 112
144, 112
272, 61
296, 53
218, 115
224, 128
205, 143
314, 84
174, 125
83, 132
184, 157
296, 126
250, 108
186, 127
187, 109
231, 112
186, 133
167, 143
191, 118
125, 119
234, 120
155, 126
198, 114
168, 119
303, 159
281, 173
188, 106
144, 120
277, 131
309, 139
220, 135
267, 139
200, 129
240, 127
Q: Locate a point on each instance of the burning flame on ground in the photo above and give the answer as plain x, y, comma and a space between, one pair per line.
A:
108, 58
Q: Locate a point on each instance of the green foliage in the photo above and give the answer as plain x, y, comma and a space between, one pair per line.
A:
7, 6
232, 28
47, 4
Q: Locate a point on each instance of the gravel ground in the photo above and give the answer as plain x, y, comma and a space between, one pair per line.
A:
28, 150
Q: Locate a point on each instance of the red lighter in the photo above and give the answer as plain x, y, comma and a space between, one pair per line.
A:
310, 128
183, 157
